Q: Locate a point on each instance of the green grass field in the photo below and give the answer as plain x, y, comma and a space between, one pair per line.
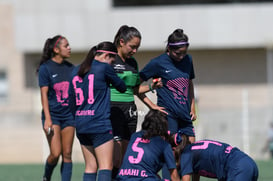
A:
31, 172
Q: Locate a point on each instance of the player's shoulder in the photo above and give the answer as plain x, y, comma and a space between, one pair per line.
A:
160, 59
101, 67
138, 133
44, 67
132, 62
188, 57
68, 64
159, 141
97, 63
46, 64
75, 70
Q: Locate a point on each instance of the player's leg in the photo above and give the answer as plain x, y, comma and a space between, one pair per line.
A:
54, 142
118, 125
104, 154
90, 172
124, 148
67, 135
187, 128
173, 128
117, 154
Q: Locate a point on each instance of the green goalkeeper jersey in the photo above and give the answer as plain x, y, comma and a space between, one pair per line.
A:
128, 72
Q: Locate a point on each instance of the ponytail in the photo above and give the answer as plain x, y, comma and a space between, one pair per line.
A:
48, 50
87, 62
101, 48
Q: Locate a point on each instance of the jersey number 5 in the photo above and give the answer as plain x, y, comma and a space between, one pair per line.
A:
137, 149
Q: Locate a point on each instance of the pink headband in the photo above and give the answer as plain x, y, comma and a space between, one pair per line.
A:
57, 41
105, 51
179, 43
175, 141
178, 137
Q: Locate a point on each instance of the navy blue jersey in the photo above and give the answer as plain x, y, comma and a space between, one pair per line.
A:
174, 95
56, 77
214, 159
91, 97
144, 158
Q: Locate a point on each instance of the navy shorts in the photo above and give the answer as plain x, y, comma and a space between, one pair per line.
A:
185, 126
94, 139
124, 119
62, 123
241, 167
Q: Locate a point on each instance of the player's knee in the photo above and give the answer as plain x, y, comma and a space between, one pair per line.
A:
91, 167
55, 155
67, 155
53, 158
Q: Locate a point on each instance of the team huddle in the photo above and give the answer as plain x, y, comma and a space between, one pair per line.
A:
95, 100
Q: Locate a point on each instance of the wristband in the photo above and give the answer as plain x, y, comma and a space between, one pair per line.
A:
150, 87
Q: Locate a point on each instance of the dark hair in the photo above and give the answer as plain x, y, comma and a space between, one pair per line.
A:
85, 66
177, 36
48, 51
126, 33
155, 124
179, 141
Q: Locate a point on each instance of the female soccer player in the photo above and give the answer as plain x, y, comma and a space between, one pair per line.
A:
123, 109
90, 94
148, 150
58, 123
213, 159
175, 67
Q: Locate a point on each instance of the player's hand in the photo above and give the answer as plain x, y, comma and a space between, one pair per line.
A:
48, 126
157, 83
161, 109
193, 116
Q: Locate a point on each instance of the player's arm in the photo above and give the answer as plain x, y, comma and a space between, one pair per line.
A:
114, 79
149, 103
45, 105
174, 175
192, 99
139, 93
156, 83
186, 177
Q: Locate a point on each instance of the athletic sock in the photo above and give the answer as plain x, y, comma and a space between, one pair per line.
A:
89, 176
49, 170
104, 175
66, 171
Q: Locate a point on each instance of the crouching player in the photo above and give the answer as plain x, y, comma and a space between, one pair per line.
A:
148, 150
212, 159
